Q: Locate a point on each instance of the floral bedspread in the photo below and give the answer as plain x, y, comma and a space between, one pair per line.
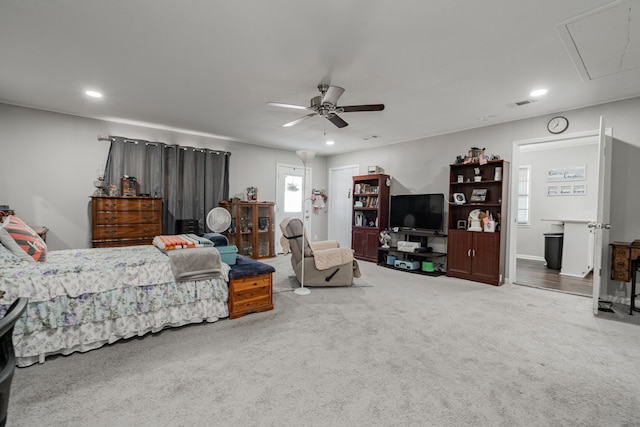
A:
83, 298
75, 272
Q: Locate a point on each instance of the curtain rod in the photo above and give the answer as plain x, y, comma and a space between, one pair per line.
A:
111, 139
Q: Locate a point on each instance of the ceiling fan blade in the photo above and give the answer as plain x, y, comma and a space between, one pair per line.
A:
280, 104
336, 120
296, 121
332, 94
354, 108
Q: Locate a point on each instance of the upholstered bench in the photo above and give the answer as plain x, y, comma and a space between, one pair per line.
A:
250, 287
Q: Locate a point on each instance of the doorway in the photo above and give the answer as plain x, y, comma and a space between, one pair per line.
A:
556, 211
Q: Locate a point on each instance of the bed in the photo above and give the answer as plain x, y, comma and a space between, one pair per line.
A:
82, 299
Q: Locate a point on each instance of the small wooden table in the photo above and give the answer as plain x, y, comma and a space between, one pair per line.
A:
625, 262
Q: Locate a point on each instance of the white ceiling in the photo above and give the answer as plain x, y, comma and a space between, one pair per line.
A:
211, 66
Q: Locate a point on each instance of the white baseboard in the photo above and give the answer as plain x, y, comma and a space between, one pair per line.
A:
579, 276
530, 257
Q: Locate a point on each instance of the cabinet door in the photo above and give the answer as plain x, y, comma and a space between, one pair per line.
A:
371, 245
263, 230
459, 253
486, 257
358, 242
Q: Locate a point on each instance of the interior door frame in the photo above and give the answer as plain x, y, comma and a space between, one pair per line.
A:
332, 214
513, 197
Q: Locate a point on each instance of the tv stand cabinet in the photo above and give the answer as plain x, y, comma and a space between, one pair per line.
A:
423, 237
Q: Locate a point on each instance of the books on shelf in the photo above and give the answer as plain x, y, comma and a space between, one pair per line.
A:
361, 188
366, 202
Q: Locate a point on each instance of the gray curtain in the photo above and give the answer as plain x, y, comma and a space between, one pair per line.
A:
191, 181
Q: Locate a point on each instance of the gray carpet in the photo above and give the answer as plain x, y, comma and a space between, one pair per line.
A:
396, 349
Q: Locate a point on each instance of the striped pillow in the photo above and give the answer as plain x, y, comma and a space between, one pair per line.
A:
20, 239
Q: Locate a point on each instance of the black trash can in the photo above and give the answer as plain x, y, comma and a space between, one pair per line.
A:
553, 250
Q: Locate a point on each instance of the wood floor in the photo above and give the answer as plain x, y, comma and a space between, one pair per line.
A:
535, 273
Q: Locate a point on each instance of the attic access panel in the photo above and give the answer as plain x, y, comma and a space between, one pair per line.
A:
604, 41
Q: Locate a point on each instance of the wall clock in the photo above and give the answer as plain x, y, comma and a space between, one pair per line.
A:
558, 124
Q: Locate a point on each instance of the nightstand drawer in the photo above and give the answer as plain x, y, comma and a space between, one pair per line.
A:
252, 282
251, 304
252, 292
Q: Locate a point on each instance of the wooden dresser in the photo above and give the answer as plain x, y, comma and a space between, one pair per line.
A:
621, 256
125, 221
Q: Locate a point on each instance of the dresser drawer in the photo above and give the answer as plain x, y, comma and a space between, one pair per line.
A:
122, 242
635, 253
620, 275
123, 204
126, 231
620, 264
124, 217
620, 252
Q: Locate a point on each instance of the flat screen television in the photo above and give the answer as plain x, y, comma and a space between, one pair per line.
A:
417, 212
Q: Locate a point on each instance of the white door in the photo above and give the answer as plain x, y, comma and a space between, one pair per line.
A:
290, 195
601, 226
340, 204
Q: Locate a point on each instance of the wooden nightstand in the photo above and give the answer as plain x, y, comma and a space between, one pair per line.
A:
250, 295
622, 254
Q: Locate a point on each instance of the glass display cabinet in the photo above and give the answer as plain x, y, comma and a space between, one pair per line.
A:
251, 228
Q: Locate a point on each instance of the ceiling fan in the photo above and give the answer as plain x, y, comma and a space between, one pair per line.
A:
325, 105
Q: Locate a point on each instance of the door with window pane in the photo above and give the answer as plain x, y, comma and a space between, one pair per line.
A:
290, 195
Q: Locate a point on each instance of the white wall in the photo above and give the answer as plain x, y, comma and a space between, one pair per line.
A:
48, 162
542, 157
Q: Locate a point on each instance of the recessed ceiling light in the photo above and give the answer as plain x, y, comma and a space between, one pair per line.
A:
330, 142
93, 93
538, 92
